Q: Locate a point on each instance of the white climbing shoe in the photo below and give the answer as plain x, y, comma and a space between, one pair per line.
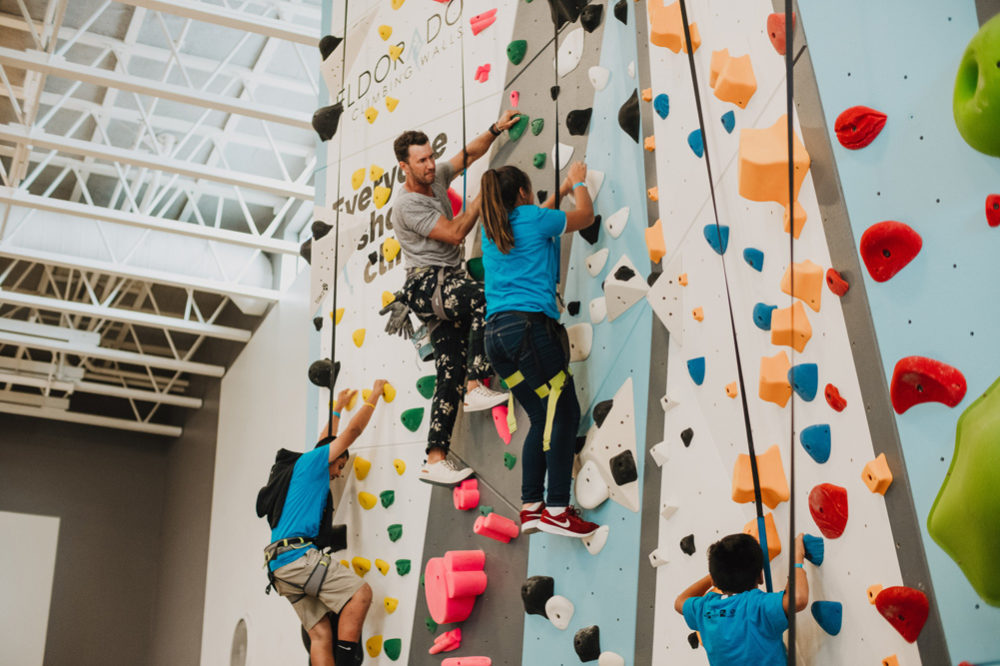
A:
481, 398
444, 473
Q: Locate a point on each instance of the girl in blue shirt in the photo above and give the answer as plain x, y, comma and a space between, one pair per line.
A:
525, 341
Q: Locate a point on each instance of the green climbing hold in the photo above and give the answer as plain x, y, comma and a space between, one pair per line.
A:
536, 126
402, 567
538, 160
387, 497
411, 418
432, 626
485, 510
976, 102
476, 269
395, 532
517, 129
516, 50
962, 519
509, 460
392, 648
425, 386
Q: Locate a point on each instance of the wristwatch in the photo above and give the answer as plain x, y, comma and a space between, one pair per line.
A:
494, 130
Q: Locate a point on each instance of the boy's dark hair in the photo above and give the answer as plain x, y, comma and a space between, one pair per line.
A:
735, 563
401, 146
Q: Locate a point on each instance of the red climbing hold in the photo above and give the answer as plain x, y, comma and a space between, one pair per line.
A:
858, 126
480, 22
483, 73
906, 610
836, 282
887, 247
993, 210
828, 506
776, 31
834, 399
456, 201
917, 379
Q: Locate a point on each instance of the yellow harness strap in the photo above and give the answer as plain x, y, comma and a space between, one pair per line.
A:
511, 382
551, 389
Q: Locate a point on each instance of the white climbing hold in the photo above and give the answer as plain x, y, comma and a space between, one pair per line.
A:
610, 659
559, 610
666, 297
667, 509
581, 338
659, 453
631, 69
570, 52
596, 261
590, 488
615, 224
656, 559
668, 403
595, 542
598, 310
616, 437
598, 77
565, 153
594, 181
623, 288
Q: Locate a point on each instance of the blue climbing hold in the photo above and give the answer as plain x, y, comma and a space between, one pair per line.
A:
755, 258
697, 143
762, 315
804, 378
696, 368
828, 615
814, 548
729, 121
661, 104
718, 237
816, 441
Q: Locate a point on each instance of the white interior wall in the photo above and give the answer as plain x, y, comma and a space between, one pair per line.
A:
26, 575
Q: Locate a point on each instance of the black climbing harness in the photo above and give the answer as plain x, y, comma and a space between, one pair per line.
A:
313, 584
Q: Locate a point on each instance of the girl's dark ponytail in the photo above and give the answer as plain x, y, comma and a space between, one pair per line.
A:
500, 189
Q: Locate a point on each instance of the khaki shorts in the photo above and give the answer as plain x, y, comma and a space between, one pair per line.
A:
338, 587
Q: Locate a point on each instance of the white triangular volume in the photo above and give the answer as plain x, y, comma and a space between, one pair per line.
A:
668, 403
623, 288
610, 659
631, 69
615, 224
656, 559
595, 542
666, 297
659, 453
598, 77
667, 509
581, 337
321, 266
570, 52
565, 153
594, 181
616, 436
598, 310
559, 610
596, 261
590, 488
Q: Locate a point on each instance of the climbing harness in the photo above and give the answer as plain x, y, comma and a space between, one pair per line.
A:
313, 584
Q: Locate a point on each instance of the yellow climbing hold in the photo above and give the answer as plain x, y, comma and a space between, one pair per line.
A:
361, 565
391, 103
359, 337
382, 566
385, 32
390, 249
396, 4
399, 465
390, 604
387, 297
358, 178
371, 113
347, 565
388, 392
380, 195
340, 315
366, 500
374, 644
395, 52
361, 467
375, 172
353, 401
365, 394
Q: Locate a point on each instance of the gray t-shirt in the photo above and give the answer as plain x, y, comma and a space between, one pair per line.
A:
414, 216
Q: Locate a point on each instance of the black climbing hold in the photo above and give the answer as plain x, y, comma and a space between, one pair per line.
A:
542, 196
328, 45
318, 323
653, 277
590, 17
628, 116
624, 274
535, 592
554, 92
621, 11
326, 120
591, 233
573, 307
320, 229
305, 250
580, 441
319, 372
693, 640
566, 11
578, 120
686, 436
587, 643
373, 257
687, 545
623, 468
600, 412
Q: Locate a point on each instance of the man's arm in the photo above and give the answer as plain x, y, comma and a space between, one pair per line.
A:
358, 423
696, 589
801, 581
455, 230
478, 146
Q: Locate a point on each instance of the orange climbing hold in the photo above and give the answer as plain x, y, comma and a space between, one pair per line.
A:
649, 143
698, 314
719, 59
732, 78
732, 389
808, 283
770, 473
763, 163
655, 243
790, 327
773, 541
877, 475
647, 94
873, 593
774, 386
666, 28
653, 193
800, 219
682, 279
891, 660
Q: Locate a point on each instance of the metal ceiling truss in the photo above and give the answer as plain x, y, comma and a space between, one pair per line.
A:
174, 144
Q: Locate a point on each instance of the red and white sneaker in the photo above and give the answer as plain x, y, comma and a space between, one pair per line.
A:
530, 519
568, 523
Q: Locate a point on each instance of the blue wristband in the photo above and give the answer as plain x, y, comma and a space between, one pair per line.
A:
337, 414
579, 184
798, 565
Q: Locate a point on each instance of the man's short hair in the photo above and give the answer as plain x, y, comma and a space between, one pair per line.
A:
402, 144
735, 563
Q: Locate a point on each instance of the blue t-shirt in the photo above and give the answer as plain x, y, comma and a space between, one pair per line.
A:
304, 502
740, 629
525, 279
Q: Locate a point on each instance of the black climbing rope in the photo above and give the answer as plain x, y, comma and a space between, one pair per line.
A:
555, 99
761, 527
465, 152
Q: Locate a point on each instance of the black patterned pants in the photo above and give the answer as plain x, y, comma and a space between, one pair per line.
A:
458, 342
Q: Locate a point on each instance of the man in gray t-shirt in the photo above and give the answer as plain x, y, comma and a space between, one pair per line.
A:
440, 291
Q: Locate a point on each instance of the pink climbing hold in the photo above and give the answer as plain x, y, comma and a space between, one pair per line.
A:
515, 97
456, 201
500, 421
483, 73
452, 583
467, 661
448, 641
495, 526
466, 495
480, 22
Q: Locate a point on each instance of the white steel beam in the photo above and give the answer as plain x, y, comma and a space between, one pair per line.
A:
97, 388
92, 419
20, 135
230, 18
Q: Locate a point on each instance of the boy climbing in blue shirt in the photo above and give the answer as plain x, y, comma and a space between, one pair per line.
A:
739, 623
